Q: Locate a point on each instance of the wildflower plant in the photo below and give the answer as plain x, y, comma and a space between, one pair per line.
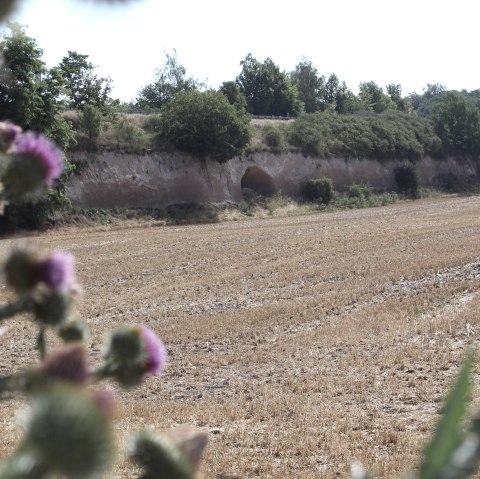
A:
68, 432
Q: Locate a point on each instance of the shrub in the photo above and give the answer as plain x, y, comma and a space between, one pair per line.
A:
407, 180
126, 134
360, 191
319, 190
390, 135
91, 122
371, 201
205, 124
273, 137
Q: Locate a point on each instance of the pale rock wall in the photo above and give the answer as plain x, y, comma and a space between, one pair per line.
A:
156, 180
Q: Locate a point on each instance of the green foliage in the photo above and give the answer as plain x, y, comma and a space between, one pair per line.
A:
91, 122
247, 206
310, 85
205, 124
362, 196
407, 180
394, 91
273, 137
82, 86
127, 132
319, 189
235, 97
268, 90
277, 201
423, 104
360, 191
439, 456
169, 81
457, 122
454, 450
373, 96
389, 135
29, 92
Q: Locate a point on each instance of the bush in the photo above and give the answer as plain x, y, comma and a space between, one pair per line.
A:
205, 124
319, 190
390, 135
407, 180
360, 191
91, 121
127, 135
273, 137
371, 201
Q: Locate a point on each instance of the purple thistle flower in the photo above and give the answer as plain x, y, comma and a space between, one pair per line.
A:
57, 271
156, 351
9, 133
42, 149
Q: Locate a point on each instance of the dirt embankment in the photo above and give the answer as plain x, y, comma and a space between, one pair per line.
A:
156, 180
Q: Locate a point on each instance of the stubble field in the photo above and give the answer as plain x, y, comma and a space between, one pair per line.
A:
298, 344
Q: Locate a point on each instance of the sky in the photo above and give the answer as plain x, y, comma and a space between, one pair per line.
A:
411, 42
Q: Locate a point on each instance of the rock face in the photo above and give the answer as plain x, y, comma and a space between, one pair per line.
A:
156, 180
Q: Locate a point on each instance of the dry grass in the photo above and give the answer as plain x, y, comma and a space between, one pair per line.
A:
299, 344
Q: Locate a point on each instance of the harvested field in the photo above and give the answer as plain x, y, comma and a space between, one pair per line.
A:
299, 344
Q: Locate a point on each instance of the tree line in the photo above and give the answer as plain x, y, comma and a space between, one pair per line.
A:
32, 95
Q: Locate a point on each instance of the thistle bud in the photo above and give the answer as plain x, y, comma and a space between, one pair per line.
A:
74, 330
155, 352
21, 270
168, 455
52, 307
57, 271
69, 432
34, 163
8, 131
133, 352
67, 364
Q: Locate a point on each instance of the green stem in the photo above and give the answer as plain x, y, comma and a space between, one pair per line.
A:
101, 372
41, 346
6, 383
8, 310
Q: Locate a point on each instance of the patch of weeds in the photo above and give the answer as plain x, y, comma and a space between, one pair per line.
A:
247, 206
276, 201
189, 213
418, 312
362, 196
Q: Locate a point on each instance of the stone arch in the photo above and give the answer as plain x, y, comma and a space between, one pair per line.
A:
258, 180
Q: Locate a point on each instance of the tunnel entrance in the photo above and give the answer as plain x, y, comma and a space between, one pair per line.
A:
257, 180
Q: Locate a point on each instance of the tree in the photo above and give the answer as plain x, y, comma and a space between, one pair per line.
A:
169, 80
425, 103
83, 87
345, 101
457, 122
234, 96
91, 122
310, 85
205, 124
29, 92
394, 91
373, 95
268, 90
331, 90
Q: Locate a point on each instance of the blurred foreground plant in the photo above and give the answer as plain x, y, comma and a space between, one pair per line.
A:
454, 450
69, 427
